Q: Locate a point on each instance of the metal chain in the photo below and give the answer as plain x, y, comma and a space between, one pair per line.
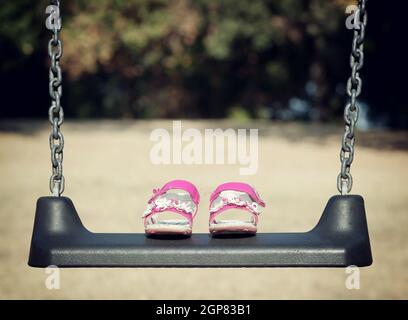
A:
55, 113
354, 84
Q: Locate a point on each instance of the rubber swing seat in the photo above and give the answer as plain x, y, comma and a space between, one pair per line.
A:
339, 239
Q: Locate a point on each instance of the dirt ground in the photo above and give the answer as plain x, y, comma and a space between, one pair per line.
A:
110, 177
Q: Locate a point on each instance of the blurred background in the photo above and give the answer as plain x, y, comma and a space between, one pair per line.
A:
143, 59
132, 66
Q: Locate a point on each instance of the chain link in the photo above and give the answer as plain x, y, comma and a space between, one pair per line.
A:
354, 84
56, 113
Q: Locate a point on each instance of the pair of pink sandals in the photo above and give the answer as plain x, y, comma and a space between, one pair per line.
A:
182, 198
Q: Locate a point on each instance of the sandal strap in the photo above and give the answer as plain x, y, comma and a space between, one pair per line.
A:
238, 186
159, 203
214, 215
178, 184
233, 200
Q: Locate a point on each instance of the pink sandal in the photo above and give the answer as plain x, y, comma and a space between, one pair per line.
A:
232, 196
175, 197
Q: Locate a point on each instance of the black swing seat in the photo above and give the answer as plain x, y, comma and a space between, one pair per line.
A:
339, 239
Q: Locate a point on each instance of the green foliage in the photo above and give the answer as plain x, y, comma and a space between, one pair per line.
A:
185, 58
16, 28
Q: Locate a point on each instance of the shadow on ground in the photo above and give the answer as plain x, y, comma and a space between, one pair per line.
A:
292, 132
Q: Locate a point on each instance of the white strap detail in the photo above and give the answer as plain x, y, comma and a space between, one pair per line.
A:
231, 197
180, 201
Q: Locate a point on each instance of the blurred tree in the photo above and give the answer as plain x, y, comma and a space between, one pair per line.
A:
185, 58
